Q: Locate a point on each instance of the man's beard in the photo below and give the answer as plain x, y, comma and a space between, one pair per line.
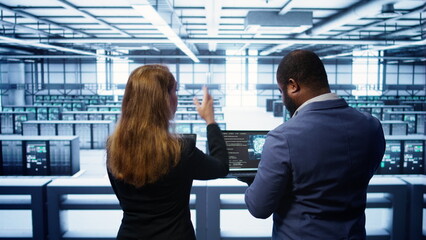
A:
289, 104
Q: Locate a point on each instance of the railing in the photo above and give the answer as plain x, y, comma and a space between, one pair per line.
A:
401, 197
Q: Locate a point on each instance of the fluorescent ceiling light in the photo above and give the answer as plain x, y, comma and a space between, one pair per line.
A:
150, 14
287, 7
213, 10
252, 29
301, 29
337, 55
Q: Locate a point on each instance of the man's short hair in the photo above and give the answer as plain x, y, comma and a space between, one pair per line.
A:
305, 68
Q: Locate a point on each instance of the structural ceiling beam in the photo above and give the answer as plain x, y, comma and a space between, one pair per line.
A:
238, 40
45, 21
68, 5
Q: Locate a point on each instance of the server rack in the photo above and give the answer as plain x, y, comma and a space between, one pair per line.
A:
11, 122
92, 115
415, 119
87, 99
193, 115
39, 155
403, 155
379, 111
112, 108
394, 127
71, 105
42, 112
93, 134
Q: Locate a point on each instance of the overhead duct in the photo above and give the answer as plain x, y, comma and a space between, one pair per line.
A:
162, 16
272, 22
353, 13
167, 13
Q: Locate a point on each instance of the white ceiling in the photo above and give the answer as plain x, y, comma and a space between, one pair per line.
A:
208, 27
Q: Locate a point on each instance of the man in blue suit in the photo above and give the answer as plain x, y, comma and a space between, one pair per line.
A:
315, 168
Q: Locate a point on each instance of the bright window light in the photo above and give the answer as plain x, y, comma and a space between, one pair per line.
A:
120, 69
366, 73
120, 72
238, 92
252, 70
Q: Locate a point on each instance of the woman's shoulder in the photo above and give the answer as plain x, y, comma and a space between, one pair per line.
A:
187, 145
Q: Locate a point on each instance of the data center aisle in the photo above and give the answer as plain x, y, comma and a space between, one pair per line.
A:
92, 163
250, 118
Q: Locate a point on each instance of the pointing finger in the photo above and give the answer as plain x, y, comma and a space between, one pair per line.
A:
196, 102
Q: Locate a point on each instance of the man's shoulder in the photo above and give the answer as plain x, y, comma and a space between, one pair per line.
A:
283, 130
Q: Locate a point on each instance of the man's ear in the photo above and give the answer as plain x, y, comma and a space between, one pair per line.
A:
293, 86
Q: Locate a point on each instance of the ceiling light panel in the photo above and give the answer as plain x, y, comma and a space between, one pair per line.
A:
151, 15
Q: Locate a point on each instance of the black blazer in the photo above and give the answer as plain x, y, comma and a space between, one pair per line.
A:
161, 210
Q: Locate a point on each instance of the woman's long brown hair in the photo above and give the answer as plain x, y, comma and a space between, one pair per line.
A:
142, 149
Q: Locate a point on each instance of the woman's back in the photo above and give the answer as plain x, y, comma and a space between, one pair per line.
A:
151, 169
159, 210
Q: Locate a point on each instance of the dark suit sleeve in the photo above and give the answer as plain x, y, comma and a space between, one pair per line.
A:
378, 149
273, 176
214, 165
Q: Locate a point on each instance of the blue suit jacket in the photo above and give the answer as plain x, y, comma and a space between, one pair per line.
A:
314, 173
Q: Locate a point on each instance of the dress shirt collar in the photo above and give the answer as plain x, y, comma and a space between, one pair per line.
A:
320, 98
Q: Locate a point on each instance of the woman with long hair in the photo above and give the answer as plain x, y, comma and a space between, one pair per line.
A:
150, 168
